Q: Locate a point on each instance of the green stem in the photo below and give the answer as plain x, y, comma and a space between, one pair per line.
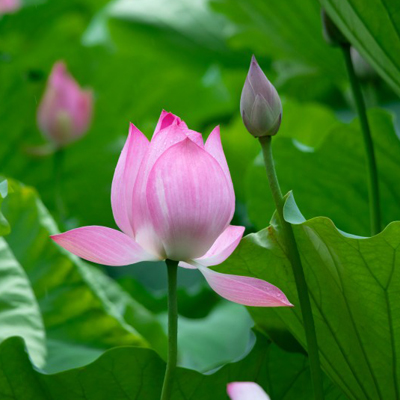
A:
294, 257
373, 186
59, 156
172, 268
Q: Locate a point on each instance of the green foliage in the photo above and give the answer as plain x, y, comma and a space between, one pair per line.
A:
132, 373
354, 288
19, 310
373, 29
84, 312
331, 179
191, 57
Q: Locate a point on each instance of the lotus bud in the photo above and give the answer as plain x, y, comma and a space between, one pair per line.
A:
260, 105
9, 6
331, 32
65, 111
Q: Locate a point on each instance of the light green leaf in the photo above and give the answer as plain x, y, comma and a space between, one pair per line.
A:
354, 285
222, 336
19, 310
372, 27
81, 308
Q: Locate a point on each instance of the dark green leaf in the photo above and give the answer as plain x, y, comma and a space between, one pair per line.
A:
132, 373
373, 29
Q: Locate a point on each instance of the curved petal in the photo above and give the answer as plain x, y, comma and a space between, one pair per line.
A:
214, 147
245, 290
125, 176
223, 247
170, 130
246, 391
161, 141
102, 245
189, 200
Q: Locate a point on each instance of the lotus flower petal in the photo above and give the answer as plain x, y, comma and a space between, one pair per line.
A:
103, 245
222, 248
214, 147
166, 119
246, 391
162, 140
245, 290
190, 207
125, 176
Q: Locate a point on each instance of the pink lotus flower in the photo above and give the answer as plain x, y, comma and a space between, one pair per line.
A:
173, 198
246, 391
9, 6
65, 111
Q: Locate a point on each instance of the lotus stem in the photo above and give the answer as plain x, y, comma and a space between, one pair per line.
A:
298, 272
373, 185
172, 268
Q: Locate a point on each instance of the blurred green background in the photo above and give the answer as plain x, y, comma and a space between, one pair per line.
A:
189, 57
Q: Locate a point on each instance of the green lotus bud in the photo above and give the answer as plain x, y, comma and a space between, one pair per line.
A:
260, 105
331, 32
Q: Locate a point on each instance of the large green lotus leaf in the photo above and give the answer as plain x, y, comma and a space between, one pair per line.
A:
331, 180
283, 29
84, 311
372, 27
210, 342
19, 310
133, 373
354, 285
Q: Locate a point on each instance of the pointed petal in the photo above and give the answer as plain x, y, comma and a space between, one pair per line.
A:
245, 290
189, 200
102, 245
223, 247
214, 147
125, 176
166, 119
246, 391
161, 141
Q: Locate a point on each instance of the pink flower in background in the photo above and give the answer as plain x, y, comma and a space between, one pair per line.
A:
246, 391
65, 111
9, 6
173, 198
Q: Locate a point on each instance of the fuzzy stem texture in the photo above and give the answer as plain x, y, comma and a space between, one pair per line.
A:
294, 257
373, 185
172, 268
